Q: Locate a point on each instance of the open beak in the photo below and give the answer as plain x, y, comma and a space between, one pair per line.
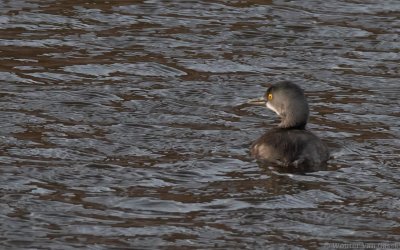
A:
257, 101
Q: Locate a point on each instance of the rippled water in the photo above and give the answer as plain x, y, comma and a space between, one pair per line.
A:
123, 125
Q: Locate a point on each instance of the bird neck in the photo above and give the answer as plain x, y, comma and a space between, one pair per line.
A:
294, 120
301, 126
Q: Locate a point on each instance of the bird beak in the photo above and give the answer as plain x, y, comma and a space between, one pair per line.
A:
257, 101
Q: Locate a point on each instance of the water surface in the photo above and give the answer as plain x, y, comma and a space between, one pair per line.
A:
123, 125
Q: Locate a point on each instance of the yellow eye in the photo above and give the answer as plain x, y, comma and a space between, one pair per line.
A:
269, 96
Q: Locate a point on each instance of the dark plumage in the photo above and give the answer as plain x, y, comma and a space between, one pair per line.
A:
290, 144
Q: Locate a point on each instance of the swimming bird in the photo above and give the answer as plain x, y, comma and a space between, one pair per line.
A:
289, 145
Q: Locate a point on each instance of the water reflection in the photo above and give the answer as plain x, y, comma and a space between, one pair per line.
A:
125, 121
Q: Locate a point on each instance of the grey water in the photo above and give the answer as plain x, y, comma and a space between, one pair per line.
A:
123, 124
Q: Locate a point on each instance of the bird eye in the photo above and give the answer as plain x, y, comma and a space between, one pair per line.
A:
269, 96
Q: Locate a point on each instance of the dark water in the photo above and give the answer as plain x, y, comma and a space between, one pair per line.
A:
122, 124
